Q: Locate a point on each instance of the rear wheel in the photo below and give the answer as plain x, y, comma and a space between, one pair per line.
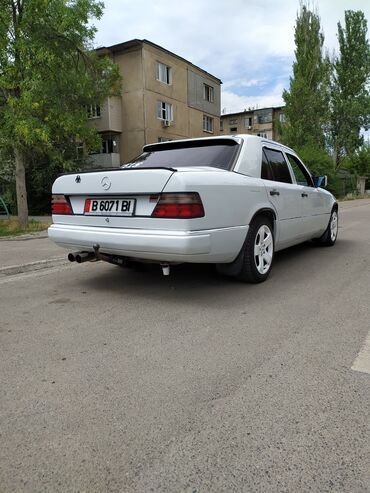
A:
254, 261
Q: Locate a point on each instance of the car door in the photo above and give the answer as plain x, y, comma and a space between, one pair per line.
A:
312, 206
283, 194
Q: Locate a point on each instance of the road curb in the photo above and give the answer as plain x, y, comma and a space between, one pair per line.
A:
32, 266
350, 204
28, 236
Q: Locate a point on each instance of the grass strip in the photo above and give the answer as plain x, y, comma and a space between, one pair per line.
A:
11, 227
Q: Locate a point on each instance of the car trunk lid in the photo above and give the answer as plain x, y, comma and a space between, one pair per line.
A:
110, 182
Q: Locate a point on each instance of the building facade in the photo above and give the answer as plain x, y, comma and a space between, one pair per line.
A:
262, 122
163, 97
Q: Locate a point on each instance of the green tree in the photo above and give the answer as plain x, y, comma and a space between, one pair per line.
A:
359, 162
350, 98
307, 100
49, 74
320, 163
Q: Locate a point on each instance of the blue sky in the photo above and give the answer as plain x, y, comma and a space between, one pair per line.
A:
248, 44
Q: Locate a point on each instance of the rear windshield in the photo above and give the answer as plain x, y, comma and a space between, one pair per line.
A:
218, 153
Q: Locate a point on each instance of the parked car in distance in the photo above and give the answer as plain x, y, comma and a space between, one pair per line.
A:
232, 201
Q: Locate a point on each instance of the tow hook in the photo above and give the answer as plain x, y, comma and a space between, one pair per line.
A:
102, 256
111, 259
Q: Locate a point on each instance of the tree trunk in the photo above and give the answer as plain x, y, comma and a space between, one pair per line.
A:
337, 159
20, 182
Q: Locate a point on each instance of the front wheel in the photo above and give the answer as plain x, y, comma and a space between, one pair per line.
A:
330, 236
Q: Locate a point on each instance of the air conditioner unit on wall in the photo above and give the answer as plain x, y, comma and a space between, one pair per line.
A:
166, 123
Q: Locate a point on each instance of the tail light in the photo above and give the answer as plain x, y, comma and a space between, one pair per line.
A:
178, 205
60, 205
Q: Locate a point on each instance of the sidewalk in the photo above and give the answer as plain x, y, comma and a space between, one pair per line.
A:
29, 252
348, 204
21, 250
42, 219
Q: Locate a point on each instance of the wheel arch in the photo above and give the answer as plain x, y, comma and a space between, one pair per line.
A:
232, 268
266, 212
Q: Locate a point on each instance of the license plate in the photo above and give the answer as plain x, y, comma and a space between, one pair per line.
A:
119, 206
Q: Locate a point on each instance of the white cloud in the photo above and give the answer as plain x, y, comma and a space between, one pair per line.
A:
243, 83
218, 36
233, 103
247, 43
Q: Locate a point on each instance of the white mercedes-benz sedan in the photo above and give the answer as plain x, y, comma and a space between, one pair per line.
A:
232, 201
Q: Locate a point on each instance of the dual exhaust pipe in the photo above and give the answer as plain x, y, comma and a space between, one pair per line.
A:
81, 257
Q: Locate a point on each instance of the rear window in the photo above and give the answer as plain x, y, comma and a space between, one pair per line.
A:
218, 153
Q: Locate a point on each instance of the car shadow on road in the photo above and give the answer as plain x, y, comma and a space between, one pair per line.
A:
200, 283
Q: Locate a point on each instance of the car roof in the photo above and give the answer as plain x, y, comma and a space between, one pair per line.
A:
234, 137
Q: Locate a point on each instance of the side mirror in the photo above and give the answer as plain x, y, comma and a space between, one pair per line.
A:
320, 181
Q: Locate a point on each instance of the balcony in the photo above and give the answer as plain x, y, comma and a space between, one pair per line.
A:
107, 117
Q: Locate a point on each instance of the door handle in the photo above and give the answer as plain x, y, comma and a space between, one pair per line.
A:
274, 192
304, 194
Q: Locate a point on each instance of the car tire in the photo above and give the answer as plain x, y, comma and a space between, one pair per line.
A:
253, 264
331, 233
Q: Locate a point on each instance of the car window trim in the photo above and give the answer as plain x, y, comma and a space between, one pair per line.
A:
287, 153
236, 157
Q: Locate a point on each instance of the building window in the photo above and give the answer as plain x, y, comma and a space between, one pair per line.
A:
248, 122
164, 111
207, 124
264, 116
233, 130
93, 111
163, 73
221, 125
282, 118
208, 93
233, 121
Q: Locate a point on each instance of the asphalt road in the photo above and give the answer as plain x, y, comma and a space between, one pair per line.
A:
122, 381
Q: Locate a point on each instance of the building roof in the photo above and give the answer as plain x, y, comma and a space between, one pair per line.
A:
252, 110
140, 42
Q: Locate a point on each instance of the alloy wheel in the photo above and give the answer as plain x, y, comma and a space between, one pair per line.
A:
263, 249
333, 226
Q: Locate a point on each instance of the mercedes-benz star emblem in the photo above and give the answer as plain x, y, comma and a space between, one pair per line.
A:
78, 179
106, 183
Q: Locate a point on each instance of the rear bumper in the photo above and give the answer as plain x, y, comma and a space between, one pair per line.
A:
215, 245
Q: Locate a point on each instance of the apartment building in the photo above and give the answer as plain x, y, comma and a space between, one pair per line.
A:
261, 121
163, 97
